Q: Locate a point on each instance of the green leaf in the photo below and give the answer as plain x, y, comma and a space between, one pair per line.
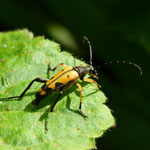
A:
22, 125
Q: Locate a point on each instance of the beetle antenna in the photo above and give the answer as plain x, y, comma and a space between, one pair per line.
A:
124, 62
90, 48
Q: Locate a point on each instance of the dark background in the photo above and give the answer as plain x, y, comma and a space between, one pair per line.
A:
118, 30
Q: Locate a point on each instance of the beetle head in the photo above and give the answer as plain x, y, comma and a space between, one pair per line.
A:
91, 71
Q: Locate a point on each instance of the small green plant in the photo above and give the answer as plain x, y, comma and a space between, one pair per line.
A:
22, 125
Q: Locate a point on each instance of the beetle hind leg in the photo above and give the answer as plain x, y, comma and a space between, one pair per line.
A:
27, 88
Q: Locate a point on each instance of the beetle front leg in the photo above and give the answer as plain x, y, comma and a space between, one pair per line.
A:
92, 81
80, 106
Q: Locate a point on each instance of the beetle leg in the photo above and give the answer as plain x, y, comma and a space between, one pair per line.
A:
62, 64
51, 109
92, 81
94, 76
80, 90
50, 69
28, 87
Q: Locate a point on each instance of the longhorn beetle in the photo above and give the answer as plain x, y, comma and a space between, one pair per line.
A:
64, 79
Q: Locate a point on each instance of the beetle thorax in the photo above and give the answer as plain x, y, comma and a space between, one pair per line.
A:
83, 70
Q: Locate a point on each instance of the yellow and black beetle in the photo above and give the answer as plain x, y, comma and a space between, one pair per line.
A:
64, 79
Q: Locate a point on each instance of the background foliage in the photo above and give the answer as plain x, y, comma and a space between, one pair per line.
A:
118, 30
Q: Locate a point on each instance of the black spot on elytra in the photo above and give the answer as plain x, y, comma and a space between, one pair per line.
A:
46, 88
68, 76
62, 70
71, 81
58, 85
